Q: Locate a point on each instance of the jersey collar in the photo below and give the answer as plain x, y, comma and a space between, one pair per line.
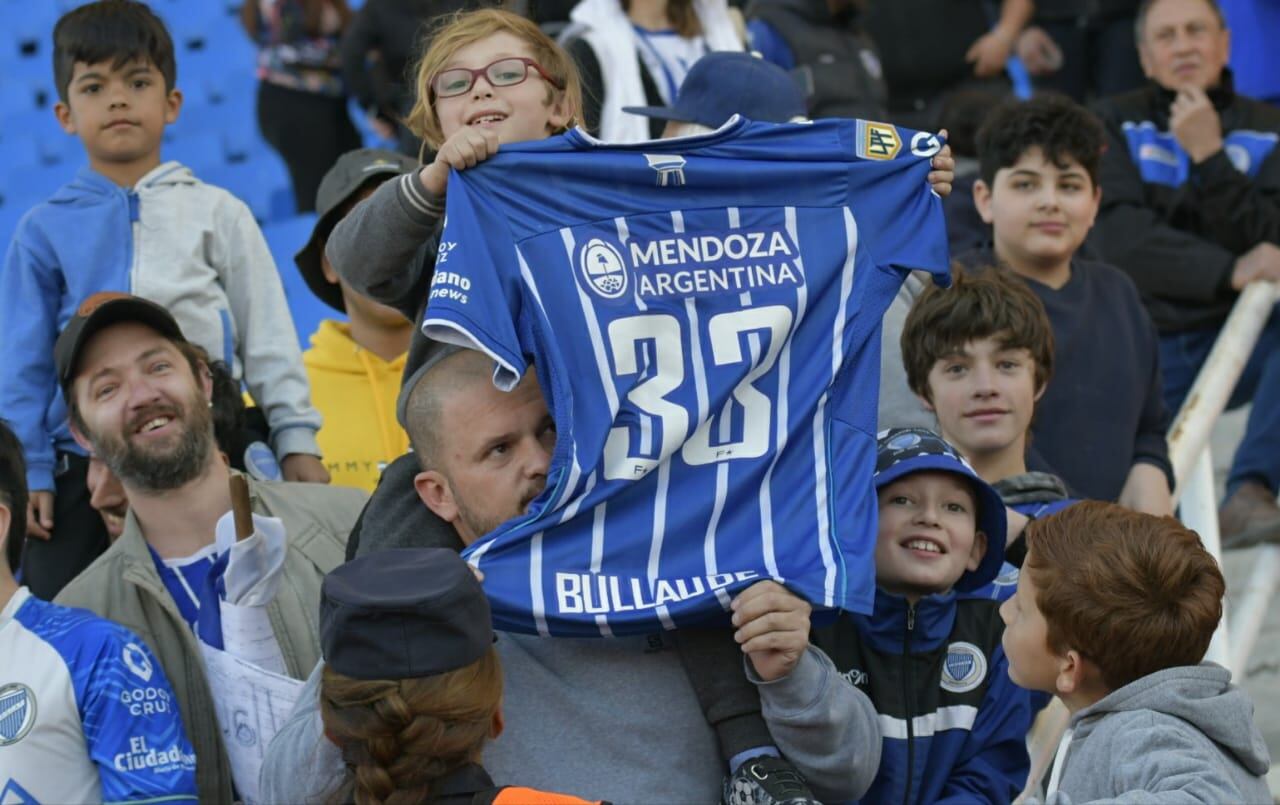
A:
579, 137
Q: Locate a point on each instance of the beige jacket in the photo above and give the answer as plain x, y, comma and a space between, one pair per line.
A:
123, 586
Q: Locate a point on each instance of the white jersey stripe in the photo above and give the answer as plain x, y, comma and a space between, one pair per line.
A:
952, 717
593, 329
537, 602
783, 413
624, 235
709, 544
659, 532
575, 469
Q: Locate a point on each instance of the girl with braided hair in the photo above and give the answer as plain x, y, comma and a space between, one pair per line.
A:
412, 688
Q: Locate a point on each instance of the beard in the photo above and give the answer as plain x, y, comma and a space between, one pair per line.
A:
173, 464
481, 522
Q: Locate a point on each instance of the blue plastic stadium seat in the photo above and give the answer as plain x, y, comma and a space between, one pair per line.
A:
200, 151
262, 183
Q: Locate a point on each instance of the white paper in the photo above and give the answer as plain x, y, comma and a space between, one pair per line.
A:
256, 563
247, 635
252, 705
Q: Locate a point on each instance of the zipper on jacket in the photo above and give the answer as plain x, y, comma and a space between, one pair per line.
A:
908, 698
135, 230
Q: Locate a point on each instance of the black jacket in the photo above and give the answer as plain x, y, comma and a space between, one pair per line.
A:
836, 64
1177, 228
1103, 410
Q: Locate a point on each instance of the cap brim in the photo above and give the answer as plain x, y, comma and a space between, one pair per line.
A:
308, 260
659, 112
124, 309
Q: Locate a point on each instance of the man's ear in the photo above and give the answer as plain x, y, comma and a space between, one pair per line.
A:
78, 435
498, 725
978, 551
205, 378
982, 200
434, 491
326, 268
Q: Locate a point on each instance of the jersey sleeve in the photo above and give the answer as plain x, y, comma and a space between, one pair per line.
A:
476, 291
132, 726
892, 201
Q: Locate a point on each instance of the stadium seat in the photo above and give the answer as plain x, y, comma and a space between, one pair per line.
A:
262, 183
26, 185
200, 151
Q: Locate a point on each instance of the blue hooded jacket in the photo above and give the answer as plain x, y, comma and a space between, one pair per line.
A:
953, 724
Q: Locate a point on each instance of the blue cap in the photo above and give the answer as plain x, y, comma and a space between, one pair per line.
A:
902, 451
403, 613
727, 83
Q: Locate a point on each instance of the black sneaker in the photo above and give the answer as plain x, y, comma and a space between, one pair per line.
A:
767, 780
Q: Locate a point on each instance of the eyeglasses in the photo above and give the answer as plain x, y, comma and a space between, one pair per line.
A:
502, 73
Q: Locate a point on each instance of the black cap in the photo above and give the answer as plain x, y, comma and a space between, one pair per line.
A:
350, 173
103, 310
403, 613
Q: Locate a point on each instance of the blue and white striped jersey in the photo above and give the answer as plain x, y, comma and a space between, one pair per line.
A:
86, 714
704, 317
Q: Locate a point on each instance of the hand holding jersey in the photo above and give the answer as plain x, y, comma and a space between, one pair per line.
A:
695, 320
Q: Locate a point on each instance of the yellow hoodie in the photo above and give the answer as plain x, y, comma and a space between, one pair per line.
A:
355, 391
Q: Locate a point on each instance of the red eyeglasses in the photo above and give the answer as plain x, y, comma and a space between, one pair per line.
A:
503, 73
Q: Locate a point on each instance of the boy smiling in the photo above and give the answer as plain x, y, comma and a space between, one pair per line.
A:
929, 655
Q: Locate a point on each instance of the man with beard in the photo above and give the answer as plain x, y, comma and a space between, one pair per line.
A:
623, 717
139, 398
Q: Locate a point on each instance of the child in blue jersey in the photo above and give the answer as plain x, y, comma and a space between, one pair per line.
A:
929, 656
979, 355
86, 714
129, 221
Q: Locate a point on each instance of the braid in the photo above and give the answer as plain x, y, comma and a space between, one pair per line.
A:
400, 736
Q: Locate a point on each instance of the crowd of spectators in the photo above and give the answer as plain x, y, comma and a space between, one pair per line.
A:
1102, 226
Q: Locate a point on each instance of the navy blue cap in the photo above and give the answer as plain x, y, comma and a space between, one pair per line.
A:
403, 613
727, 83
902, 451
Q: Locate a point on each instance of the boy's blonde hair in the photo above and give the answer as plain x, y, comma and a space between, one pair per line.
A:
461, 29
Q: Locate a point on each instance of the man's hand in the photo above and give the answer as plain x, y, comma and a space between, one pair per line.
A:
1038, 52
772, 628
989, 54
1262, 262
1146, 489
304, 468
40, 514
463, 150
1195, 124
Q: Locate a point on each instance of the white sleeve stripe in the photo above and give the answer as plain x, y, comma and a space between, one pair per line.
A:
414, 195
952, 717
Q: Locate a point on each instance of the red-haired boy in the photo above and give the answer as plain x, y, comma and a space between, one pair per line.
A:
1113, 614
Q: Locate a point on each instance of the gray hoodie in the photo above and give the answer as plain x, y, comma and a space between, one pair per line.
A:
1179, 735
